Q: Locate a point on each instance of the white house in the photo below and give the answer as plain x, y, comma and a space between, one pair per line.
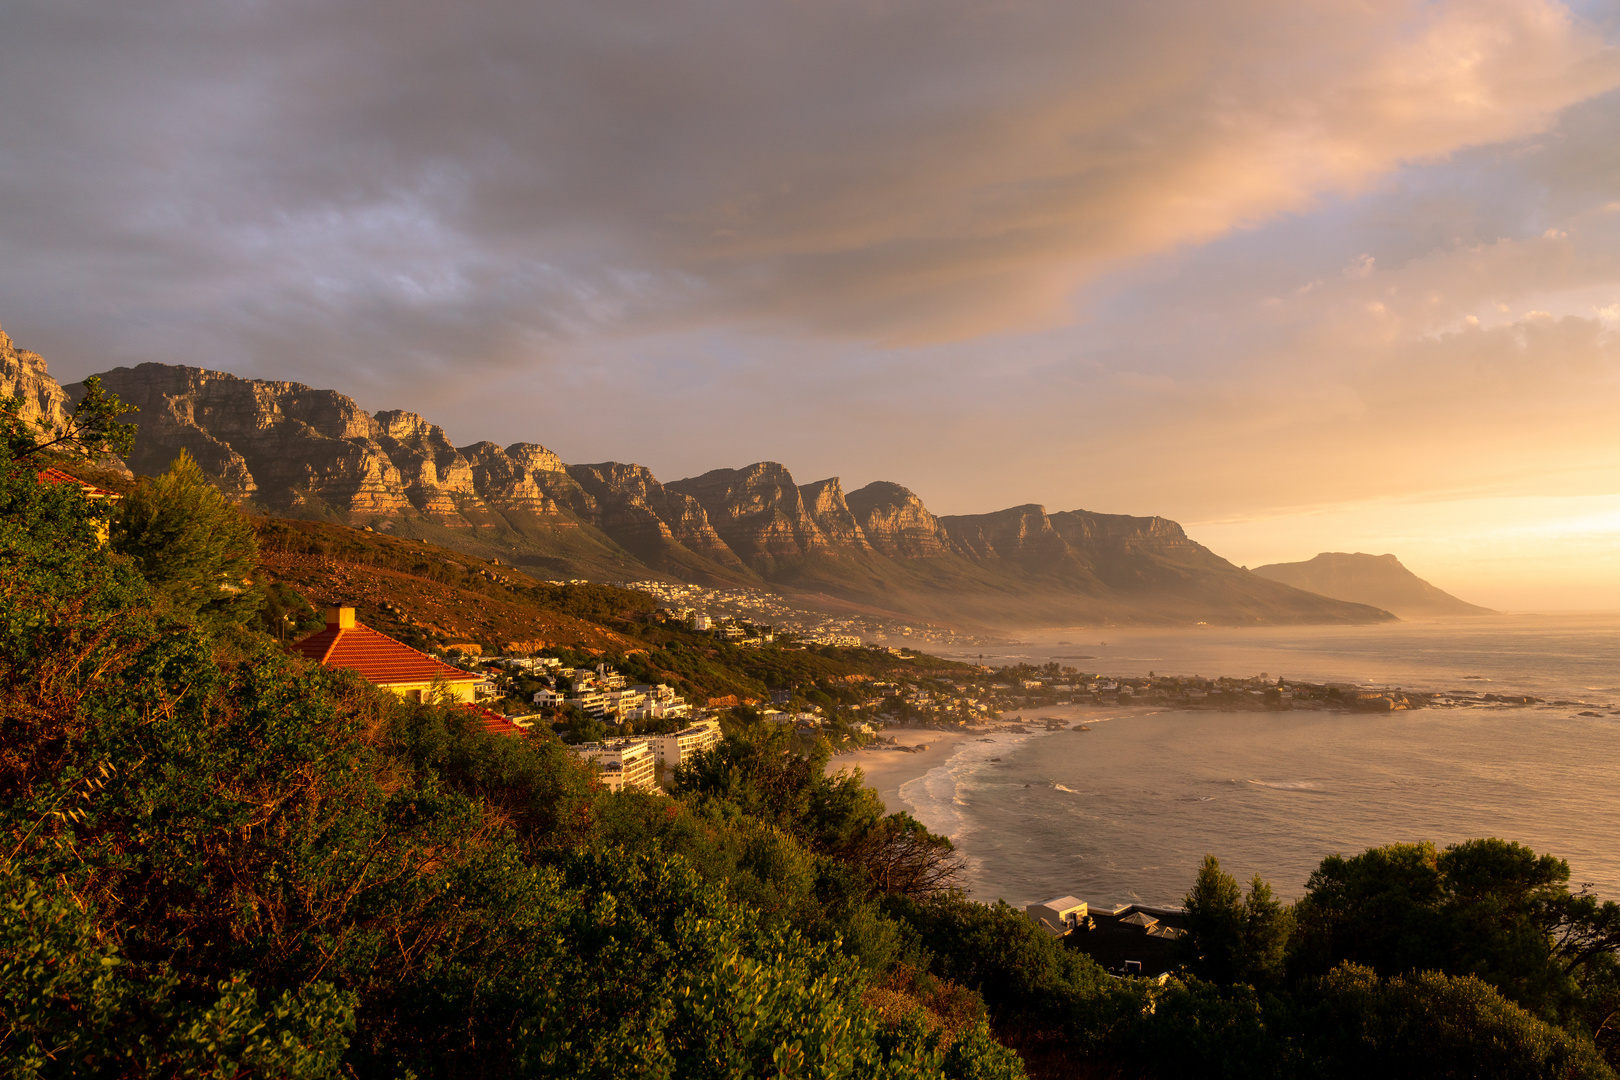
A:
1058, 916
624, 762
672, 750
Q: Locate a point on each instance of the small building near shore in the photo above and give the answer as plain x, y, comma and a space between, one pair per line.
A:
1059, 916
1132, 939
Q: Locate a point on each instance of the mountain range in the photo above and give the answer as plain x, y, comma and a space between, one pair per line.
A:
1379, 580
289, 450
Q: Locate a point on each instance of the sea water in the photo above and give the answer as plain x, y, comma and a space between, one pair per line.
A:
1126, 810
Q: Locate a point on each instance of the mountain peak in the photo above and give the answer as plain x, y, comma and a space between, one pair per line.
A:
1379, 580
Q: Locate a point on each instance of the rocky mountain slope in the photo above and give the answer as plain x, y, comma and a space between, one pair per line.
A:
297, 452
1379, 580
23, 377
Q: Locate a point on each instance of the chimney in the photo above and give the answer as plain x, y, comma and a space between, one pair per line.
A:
340, 618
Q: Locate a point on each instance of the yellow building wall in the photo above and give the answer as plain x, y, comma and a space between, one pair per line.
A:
429, 691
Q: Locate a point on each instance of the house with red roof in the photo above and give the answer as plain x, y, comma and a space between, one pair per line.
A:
91, 491
380, 659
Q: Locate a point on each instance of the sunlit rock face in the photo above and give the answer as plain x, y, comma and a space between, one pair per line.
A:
646, 516
512, 478
23, 376
759, 512
896, 523
299, 451
438, 480
824, 502
280, 443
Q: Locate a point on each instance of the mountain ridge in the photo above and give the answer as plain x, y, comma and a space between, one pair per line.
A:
1380, 580
301, 452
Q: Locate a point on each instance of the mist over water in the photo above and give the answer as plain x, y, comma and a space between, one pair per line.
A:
1125, 811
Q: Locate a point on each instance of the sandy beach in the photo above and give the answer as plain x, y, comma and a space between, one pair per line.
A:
887, 770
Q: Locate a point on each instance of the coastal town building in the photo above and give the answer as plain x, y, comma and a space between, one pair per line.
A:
672, 750
379, 659
1059, 916
623, 762
55, 476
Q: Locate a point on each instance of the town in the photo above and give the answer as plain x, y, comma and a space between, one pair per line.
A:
638, 733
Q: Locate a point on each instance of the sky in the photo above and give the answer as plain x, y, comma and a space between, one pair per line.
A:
1304, 275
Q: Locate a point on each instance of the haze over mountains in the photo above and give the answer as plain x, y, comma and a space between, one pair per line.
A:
301, 452
1379, 580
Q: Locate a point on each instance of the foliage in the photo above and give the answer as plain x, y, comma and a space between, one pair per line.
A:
285, 614
93, 430
219, 860
258, 867
758, 771
1232, 937
194, 547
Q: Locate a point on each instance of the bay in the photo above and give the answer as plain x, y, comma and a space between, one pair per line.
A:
1125, 812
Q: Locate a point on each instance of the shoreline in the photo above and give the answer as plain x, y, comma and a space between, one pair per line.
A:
886, 771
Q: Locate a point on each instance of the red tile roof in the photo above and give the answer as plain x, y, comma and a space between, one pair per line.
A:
377, 657
493, 722
57, 476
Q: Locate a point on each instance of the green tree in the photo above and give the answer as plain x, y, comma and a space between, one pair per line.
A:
1233, 937
1267, 925
92, 431
1213, 945
193, 545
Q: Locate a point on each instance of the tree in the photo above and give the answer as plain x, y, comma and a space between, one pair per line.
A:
1267, 926
1213, 946
92, 431
196, 549
1233, 937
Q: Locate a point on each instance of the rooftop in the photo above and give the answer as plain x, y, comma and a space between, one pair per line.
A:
377, 657
57, 476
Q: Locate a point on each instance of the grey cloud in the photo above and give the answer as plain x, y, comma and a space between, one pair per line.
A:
413, 184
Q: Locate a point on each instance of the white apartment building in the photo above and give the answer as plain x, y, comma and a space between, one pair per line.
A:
672, 750
624, 762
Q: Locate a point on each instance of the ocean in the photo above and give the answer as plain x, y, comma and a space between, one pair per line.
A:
1126, 811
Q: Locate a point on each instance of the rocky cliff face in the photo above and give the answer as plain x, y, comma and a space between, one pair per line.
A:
437, 478
824, 504
896, 523
645, 516
1021, 533
280, 443
23, 376
759, 512
302, 451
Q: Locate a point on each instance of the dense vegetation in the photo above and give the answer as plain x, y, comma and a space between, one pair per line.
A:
216, 860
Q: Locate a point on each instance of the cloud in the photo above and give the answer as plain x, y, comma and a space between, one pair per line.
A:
491, 181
